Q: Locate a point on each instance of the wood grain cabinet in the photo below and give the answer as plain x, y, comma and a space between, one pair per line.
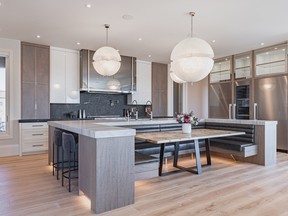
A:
64, 76
159, 89
33, 137
35, 81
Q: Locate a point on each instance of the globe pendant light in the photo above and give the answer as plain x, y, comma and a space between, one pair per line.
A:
192, 58
175, 78
107, 60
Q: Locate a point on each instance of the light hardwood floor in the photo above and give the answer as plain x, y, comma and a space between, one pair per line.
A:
27, 187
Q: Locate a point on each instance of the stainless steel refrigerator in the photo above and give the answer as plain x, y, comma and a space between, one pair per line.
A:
270, 97
220, 99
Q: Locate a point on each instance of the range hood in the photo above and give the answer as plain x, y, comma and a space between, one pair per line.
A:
124, 81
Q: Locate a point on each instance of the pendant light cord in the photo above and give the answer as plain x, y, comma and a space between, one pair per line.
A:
192, 15
107, 27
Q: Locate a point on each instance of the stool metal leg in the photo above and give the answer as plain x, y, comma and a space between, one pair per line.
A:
53, 161
62, 167
58, 161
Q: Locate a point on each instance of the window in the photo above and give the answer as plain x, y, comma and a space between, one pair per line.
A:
3, 94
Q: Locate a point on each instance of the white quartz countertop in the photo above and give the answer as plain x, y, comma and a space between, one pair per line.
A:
105, 128
240, 121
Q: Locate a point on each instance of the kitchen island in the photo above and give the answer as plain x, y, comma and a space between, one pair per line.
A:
106, 159
106, 155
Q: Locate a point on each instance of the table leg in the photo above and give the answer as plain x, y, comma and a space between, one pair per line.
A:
161, 158
176, 152
197, 153
208, 151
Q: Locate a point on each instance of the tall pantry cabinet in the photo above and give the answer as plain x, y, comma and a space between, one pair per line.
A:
159, 89
34, 81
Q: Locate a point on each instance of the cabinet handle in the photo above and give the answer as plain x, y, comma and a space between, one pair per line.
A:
234, 111
37, 145
38, 134
230, 110
37, 125
255, 110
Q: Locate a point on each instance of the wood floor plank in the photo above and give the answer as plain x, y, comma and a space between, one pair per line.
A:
228, 187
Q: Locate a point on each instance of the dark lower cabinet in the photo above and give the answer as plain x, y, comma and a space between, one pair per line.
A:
35, 69
159, 89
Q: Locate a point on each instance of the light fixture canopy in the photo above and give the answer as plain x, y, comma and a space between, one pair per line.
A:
192, 58
107, 60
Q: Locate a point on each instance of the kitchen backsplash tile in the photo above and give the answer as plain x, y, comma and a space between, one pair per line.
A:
94, 104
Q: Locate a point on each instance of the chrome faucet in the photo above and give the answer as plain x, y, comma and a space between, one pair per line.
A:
127, 114
134, 112
148, 109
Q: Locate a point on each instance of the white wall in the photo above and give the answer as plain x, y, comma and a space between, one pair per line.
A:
10, 145
197, 98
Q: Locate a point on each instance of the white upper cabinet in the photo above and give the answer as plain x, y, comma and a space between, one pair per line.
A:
143, 84
64, 76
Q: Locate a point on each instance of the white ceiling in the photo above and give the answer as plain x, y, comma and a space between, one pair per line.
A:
236, 25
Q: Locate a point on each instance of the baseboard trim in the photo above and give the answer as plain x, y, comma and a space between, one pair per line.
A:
281, 150
9, 150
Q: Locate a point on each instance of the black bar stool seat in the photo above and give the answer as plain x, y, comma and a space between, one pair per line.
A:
69, 157
57, 142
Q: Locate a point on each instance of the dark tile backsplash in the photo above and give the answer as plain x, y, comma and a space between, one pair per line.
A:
94, 104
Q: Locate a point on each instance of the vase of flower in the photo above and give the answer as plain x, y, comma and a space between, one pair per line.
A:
187, 120
186, 128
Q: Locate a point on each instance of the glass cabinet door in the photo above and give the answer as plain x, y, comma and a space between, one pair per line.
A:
221, 70
242, 65
271, 60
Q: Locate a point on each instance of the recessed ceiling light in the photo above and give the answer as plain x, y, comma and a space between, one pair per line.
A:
275, 48
267, 53
248, 57
88, 5
78, 43
226, 59
283, 49
149, 56
140, 39
213, 41
38, 36
262, 44
127, 17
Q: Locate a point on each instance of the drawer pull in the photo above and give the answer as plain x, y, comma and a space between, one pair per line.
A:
37, 145
37, 125
38, 134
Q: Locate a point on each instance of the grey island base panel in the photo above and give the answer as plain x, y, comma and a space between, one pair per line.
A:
106, 171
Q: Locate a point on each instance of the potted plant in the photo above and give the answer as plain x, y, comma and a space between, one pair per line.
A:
187, 120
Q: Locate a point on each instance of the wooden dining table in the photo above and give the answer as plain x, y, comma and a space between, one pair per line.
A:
176, 137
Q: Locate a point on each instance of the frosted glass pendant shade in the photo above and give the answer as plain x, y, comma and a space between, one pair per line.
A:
107, 61
175, 78
192, 59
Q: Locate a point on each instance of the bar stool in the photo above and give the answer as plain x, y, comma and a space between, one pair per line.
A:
69, 157
57, 142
